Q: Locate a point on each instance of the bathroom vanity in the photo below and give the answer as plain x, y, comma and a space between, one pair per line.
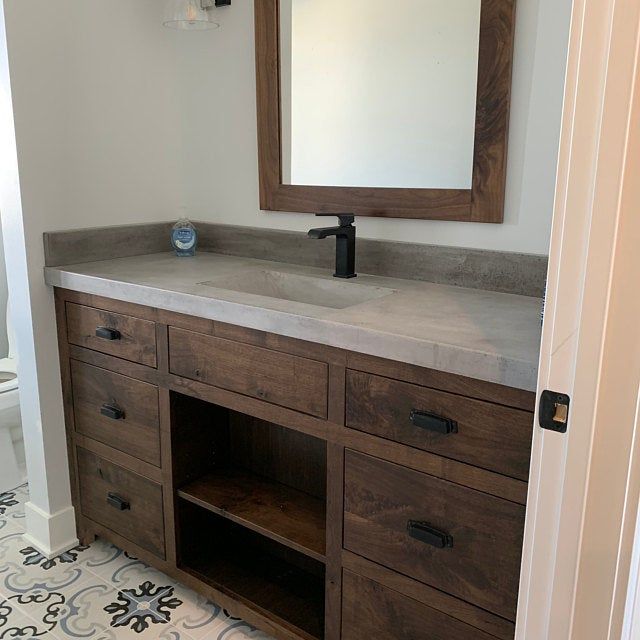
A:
314, 490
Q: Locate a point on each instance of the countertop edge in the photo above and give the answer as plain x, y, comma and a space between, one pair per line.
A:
453, 359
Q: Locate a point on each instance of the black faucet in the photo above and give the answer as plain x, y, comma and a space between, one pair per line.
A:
345, 244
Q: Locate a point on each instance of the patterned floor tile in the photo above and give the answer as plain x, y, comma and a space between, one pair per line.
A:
97, 611
8, 526
23, 569
14, 623
12, 504
194, 616
202, 619
97, 593
117, 567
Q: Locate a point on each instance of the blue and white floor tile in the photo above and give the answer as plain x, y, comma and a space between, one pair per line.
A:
97, 593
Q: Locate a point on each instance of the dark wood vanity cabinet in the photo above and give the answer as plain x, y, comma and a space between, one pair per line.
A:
348, 496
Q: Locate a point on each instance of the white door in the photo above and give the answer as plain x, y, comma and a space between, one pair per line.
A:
584, 486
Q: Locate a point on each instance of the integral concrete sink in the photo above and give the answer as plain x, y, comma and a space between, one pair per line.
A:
320, 292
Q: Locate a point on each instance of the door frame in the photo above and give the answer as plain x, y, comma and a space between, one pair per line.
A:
585, 484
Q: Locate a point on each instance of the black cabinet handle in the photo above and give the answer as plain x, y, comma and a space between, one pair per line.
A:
424, 532
111, 411
433, 422
108, 334
117, 502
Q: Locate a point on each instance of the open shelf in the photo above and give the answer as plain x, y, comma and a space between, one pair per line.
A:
283, 584
284, 514
250, 511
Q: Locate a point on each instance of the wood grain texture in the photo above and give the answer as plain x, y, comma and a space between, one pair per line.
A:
274, 342
275, 580
452, 470
67, 403
166, 449
482, 567
138, 337
284, 514
285, 456
119, 458
335, 513
484, 202
373, 611
383, 407
267, 478
117, 365
495, 64
138, 432
142, 522
206, 429
275, 377
458, 609
460, 385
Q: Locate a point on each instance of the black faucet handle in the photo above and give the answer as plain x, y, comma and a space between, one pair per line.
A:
346, 219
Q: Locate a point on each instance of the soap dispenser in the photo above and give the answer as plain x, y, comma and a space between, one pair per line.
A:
184, 238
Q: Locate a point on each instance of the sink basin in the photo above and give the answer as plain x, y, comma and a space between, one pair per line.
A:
332, 294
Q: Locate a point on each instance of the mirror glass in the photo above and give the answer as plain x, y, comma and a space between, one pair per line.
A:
379, 93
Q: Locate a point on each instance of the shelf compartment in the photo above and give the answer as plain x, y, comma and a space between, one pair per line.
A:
274, 580
281, 513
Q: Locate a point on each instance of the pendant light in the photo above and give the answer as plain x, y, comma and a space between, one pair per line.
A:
192, 15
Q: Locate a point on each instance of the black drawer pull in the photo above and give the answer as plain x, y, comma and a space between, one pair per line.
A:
433, 422
117, 502
429, 535
108, 334
111, 411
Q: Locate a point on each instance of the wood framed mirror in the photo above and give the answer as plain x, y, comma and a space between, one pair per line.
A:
388, 109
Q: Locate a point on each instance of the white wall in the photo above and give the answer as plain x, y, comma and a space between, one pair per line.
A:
223, 173
98, 119
98, 113
380, 98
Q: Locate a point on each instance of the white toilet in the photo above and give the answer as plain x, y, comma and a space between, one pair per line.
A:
12, 467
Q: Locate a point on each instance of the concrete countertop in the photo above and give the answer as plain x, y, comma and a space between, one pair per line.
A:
480, 334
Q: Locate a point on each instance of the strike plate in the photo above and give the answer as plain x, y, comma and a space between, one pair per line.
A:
554, 411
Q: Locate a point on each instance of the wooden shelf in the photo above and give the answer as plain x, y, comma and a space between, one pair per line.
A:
295, 600
281, 513
277, 582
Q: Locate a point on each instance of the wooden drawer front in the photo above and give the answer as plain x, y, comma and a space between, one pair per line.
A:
282, 379
135, 339
488, 435
142, 521
370, 610
98, 398
483, 564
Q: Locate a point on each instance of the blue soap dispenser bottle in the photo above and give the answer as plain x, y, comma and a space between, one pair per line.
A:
184, 238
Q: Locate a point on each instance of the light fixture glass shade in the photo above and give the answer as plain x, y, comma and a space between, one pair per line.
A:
187, 14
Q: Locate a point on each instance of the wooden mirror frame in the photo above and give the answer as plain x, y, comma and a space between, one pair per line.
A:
484, 202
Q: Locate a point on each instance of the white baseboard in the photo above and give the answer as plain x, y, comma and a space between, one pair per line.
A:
50, 534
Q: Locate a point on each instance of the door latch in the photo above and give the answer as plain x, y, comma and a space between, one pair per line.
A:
554, 411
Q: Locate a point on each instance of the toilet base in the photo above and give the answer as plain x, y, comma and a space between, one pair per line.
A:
12, 473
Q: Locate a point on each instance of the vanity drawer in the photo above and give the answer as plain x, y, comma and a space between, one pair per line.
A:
370, 610
122, 501
483, 434
116, 410
112, 333
458, 540
280, 378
